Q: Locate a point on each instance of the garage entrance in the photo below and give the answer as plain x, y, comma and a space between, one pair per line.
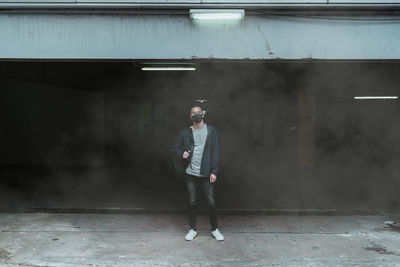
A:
293, 134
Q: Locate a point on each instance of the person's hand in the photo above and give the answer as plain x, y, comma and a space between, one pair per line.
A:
185, 155
213, 178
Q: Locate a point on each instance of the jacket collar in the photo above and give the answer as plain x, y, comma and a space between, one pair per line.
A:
209, 130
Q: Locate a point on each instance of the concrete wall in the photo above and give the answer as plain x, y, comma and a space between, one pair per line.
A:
161, 3
141, 37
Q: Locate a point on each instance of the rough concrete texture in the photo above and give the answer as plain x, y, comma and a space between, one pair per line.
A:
40, 239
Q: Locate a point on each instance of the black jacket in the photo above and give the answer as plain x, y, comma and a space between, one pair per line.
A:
210, 159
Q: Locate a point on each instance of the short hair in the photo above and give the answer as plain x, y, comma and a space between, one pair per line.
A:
195, 105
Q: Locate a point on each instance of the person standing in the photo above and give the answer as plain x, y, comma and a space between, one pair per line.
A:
198, 147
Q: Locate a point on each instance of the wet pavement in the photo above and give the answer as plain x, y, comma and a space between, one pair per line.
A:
52, 239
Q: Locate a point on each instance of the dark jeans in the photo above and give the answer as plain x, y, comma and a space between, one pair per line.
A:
193, 183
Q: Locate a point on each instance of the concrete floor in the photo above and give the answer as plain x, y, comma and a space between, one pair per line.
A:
50, 239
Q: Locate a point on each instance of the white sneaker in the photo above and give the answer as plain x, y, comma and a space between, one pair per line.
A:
218, 236
190, 235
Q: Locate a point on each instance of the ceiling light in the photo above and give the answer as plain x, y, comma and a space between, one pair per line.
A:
168, 68
375, 97
216, 14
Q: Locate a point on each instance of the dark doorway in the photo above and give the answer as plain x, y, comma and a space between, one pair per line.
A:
99, 134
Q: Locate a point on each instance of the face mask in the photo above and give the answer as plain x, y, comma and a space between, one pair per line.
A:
197, 117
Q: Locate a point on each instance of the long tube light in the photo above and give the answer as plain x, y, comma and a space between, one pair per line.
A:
375, 97
216, 14
168, 68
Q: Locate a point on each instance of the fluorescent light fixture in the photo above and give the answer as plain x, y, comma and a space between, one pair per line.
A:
216, 14
168, 68
375, 97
